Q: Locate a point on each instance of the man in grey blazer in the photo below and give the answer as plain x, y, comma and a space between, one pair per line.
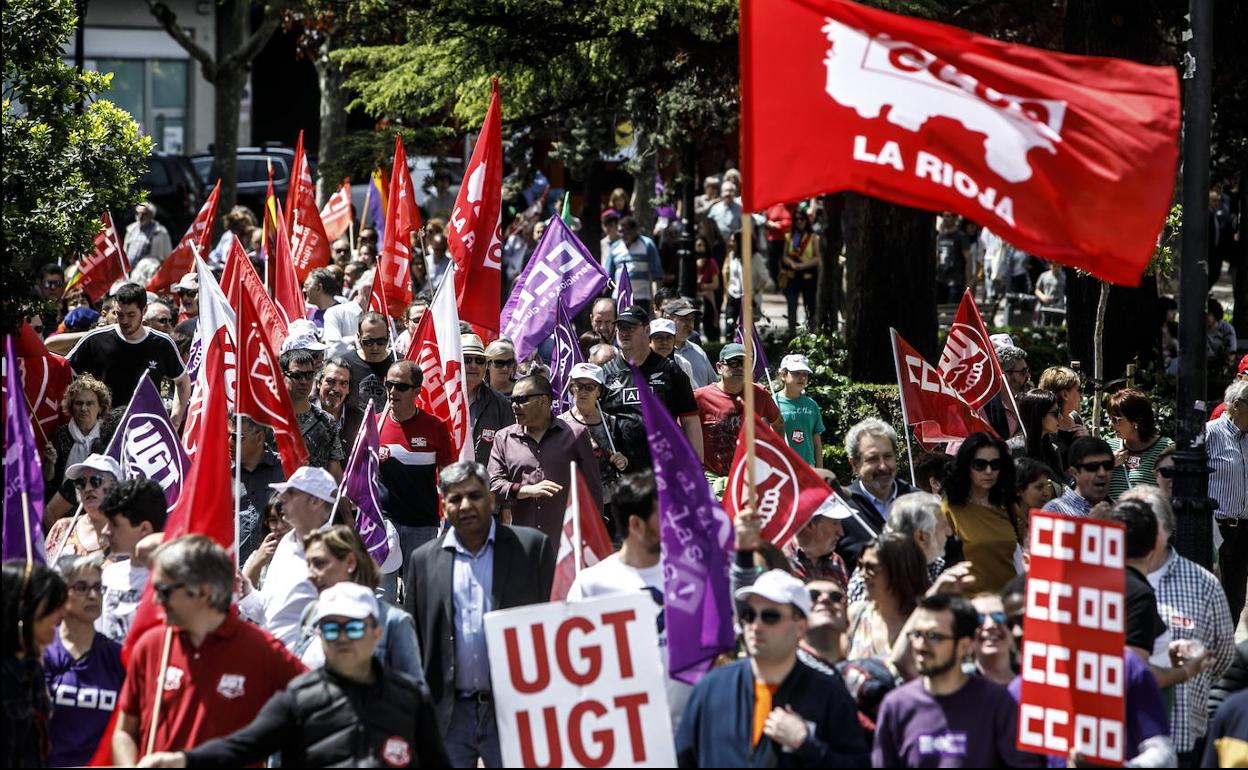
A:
477, 566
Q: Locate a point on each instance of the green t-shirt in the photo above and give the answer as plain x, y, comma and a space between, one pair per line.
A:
802, 422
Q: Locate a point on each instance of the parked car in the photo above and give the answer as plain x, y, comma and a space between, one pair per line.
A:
172, 184
252, 165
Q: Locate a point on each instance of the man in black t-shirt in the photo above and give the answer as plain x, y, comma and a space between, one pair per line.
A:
952, 247
664, 376
369, 361
119, 354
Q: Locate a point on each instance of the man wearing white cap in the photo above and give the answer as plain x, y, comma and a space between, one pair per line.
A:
489, 410
306, 500
771, 709
350, 713
187, 292
663, 343
92, 478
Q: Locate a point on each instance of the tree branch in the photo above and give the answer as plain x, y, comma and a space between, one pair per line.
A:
242, 56
169, 22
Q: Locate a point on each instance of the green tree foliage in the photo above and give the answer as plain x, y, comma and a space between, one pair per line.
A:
63, 166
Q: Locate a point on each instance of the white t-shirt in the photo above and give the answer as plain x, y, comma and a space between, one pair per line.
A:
123, 587
612, 576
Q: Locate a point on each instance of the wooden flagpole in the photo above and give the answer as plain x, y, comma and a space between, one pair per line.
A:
747, 336
160, 691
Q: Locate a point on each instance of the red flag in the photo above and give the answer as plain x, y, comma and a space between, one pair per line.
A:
104, 266
788, 490
581, 518
437, 350
1070, 158
377, 296
473, 236
282, 281
929, 403
262, 394
182, 259
309, 244
338, 214
402, 218
969, 361
45, 376
240, 278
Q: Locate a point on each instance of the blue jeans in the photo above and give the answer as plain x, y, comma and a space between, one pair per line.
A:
411, 538
473, 733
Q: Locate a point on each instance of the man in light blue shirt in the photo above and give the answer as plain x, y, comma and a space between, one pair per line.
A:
640, 257
1226, 440
1091, 465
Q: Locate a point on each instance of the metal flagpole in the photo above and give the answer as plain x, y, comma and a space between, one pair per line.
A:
238, 478
905, 419
747, 336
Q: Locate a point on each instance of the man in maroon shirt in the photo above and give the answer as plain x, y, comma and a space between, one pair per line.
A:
721, 406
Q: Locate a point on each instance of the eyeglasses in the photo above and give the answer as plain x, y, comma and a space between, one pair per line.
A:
525, 399
477, 360
735, 363
770, 616
373, 342
1103, 465
354, 629
931, 637
585, 387
1024, 370
1055, 413
983, 465
342, 250
1167, 471
402, 387
53, 284
299, 376
503, 363
165, 590
95, 481
836, 597
996, 617
187, 293
83, 587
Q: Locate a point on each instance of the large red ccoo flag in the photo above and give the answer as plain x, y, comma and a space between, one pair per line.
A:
104, 265
929, 403
1070, 158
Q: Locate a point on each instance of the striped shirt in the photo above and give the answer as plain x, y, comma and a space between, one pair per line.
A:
1193, 605
1228, 457
1139, 467
1072, 504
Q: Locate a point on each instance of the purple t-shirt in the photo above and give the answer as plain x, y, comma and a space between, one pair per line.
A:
84, 694
1146, 711
974, 727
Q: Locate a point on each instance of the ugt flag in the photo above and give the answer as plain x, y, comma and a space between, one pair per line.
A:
22, 536
561, 271
1070, 158
566, 354
361, 485
146, 445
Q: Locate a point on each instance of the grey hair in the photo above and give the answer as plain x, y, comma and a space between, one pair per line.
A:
872, 426
914, 512
1238, 389
458, 473
70, 565
196, 560
1009, 355
1153, 498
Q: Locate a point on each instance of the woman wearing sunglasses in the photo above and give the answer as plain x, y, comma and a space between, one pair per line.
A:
1136, 443
338, 555
1040, 415
981, 500
85, 400
84, 535
82, 667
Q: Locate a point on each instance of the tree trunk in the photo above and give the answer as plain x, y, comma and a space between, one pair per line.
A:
643, 184
828, 293
227, 98
333, 121
891, 272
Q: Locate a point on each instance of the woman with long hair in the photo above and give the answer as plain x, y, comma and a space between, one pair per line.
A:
1064, 382
981, 501
895, 574
1040, 415
34, 604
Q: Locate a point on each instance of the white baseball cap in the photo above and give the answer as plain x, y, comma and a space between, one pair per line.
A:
780, 587
315, 481
302, 342
795, 362
301, 326
1001, 341
662, 326
95, 462
586, 371
346, 600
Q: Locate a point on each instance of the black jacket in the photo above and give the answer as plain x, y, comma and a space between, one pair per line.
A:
1234, 680
524, 568
865, 525
324, 720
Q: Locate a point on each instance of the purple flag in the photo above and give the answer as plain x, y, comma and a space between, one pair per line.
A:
760, 356
22, 537
560, 270
146, 445
696, 537
567, 353
361, 487
623, 291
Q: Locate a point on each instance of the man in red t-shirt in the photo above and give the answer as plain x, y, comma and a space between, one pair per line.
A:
221, 670
721, 406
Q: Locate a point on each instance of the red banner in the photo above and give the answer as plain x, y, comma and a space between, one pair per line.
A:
182, 259
309, 244
104, 266
402, 219
438, 351
969, 361
473, 236
1074, 678
239, 278
787, 489
337, 215
1070, 158
581, 518
929, 403
282, 281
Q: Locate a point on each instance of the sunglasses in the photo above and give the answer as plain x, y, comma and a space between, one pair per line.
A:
522, 400
373, 342
402, 387
736, 363
354, 630
836, 597
770, 616
478, 360
164, 590
503, 363
931, 637
342, 251
95, 481
160, 319
983, 465
83, 587
1103, 465
189, 293
1166, 472
299, 376
996, 617
585, 387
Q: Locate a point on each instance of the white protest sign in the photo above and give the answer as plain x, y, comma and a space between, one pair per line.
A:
580, 684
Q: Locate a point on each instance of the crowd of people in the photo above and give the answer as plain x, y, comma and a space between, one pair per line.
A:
889, 635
